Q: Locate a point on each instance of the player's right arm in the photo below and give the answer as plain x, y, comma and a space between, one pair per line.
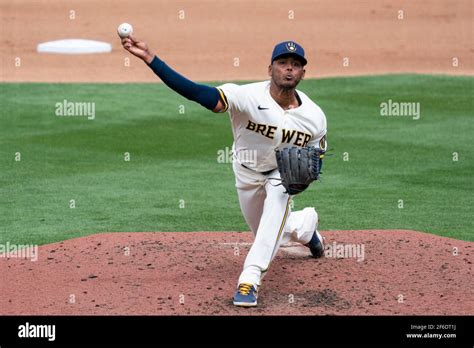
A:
220, 107
210, 97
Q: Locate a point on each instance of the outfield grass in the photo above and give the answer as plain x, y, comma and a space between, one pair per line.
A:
173, 160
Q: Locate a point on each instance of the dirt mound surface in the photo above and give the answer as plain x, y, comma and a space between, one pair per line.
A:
364, 272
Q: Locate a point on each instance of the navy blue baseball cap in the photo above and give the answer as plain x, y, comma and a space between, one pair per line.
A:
289, 48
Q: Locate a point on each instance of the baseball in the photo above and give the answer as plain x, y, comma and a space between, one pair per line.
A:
124, 30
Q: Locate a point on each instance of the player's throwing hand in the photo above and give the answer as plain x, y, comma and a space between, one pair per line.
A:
137, 48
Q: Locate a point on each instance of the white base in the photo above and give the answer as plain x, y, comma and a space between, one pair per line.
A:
74, 46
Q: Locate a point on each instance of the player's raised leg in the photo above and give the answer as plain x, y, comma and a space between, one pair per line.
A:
302, 227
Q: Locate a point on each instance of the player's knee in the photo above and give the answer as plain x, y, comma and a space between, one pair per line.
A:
312, 213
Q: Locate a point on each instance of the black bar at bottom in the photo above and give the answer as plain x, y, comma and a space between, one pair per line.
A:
140, 330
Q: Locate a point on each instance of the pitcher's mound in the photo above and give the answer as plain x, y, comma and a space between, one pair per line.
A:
364, 272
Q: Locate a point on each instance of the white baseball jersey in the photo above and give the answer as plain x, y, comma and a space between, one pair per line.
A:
260, 125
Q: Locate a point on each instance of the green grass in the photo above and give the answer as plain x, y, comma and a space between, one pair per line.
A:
173, 158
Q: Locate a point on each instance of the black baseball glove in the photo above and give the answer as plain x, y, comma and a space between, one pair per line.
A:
299, 167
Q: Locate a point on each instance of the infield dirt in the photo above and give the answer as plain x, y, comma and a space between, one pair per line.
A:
204, 42
401, 272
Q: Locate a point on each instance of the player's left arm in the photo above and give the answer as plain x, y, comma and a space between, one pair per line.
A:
319, 138
319, 142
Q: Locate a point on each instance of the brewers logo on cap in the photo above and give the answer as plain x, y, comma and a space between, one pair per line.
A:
290, 46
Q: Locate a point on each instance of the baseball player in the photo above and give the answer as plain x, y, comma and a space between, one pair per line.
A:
265, 116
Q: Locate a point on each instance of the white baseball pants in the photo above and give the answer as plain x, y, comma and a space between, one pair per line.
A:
266, 209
